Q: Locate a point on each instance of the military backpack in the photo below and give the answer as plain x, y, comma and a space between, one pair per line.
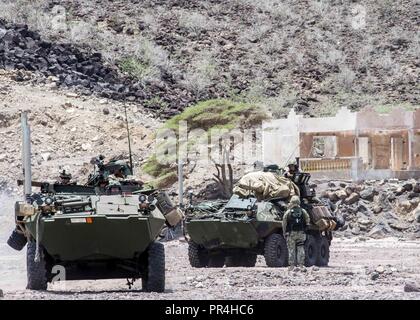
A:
296, 220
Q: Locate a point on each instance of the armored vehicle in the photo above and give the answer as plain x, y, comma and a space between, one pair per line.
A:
102, 230
234, 232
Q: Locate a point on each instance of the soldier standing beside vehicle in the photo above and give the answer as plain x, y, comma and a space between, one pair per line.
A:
295, 222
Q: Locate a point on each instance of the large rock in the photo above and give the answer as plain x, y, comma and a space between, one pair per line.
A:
416, 188
341, 194
413, 195
353, 198
367, 194
411, 287
381, 230
408, 186
399, 191
417, 215
400, 226
404, 207
349, 189
332, 196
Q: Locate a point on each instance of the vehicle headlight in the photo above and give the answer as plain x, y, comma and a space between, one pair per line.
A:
49, 201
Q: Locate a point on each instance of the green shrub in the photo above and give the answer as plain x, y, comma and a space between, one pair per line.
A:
206, 115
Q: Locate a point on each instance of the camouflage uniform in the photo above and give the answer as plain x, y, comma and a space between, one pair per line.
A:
113, 180
295, 238
64, 178
291, 169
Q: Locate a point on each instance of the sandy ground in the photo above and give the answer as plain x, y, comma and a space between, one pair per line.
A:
352, 266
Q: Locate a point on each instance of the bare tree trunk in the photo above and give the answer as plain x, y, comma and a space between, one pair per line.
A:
224, 176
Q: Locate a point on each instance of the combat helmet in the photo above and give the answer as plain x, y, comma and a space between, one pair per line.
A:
65, 176
294, 201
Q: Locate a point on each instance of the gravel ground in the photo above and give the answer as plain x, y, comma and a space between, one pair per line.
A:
360, 268
373, 269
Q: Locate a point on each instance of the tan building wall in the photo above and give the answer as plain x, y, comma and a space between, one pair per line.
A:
383, 145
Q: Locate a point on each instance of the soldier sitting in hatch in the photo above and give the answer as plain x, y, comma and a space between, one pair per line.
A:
291, 170
64, 178
116, 177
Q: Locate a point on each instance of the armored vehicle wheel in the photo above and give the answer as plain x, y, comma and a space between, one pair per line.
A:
241, 260
311, 250
17, 240
324, 252
153, 279
275, 251
197, 255
36, 271
216, 261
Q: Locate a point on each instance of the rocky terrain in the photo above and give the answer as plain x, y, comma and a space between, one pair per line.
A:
314, 55
75, 65
67, 131
67, 66
376, 209
359, 269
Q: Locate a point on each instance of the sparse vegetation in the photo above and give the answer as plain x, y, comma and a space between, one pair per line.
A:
135, 68
207, 115
220, 113
194, 22
254, 50
163, 181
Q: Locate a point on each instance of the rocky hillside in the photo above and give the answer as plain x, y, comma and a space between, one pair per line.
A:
67, 131
314, 55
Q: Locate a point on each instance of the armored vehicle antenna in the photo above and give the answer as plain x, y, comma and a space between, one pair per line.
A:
26, 155
129, 141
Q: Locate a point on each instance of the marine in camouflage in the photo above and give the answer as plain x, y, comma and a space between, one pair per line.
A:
295, 238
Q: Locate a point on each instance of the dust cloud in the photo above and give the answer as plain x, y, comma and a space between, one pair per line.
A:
12, 263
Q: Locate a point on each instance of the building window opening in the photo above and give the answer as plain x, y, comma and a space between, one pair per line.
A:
324, 147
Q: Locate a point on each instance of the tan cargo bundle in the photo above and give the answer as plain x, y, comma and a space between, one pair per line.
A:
174, 217
319, 212
326, 225
265, 185
322, 217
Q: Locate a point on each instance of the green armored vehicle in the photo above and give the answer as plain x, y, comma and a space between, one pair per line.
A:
92, 237
106, 229
234, 232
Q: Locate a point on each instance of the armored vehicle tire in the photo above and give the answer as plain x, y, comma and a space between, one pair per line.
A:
324, 252
275, 251
197, 255
17, 240
311, 250
153, 279
36, 271
241, 260
216, 261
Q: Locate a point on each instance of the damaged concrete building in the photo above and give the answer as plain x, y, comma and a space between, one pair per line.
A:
350, 145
